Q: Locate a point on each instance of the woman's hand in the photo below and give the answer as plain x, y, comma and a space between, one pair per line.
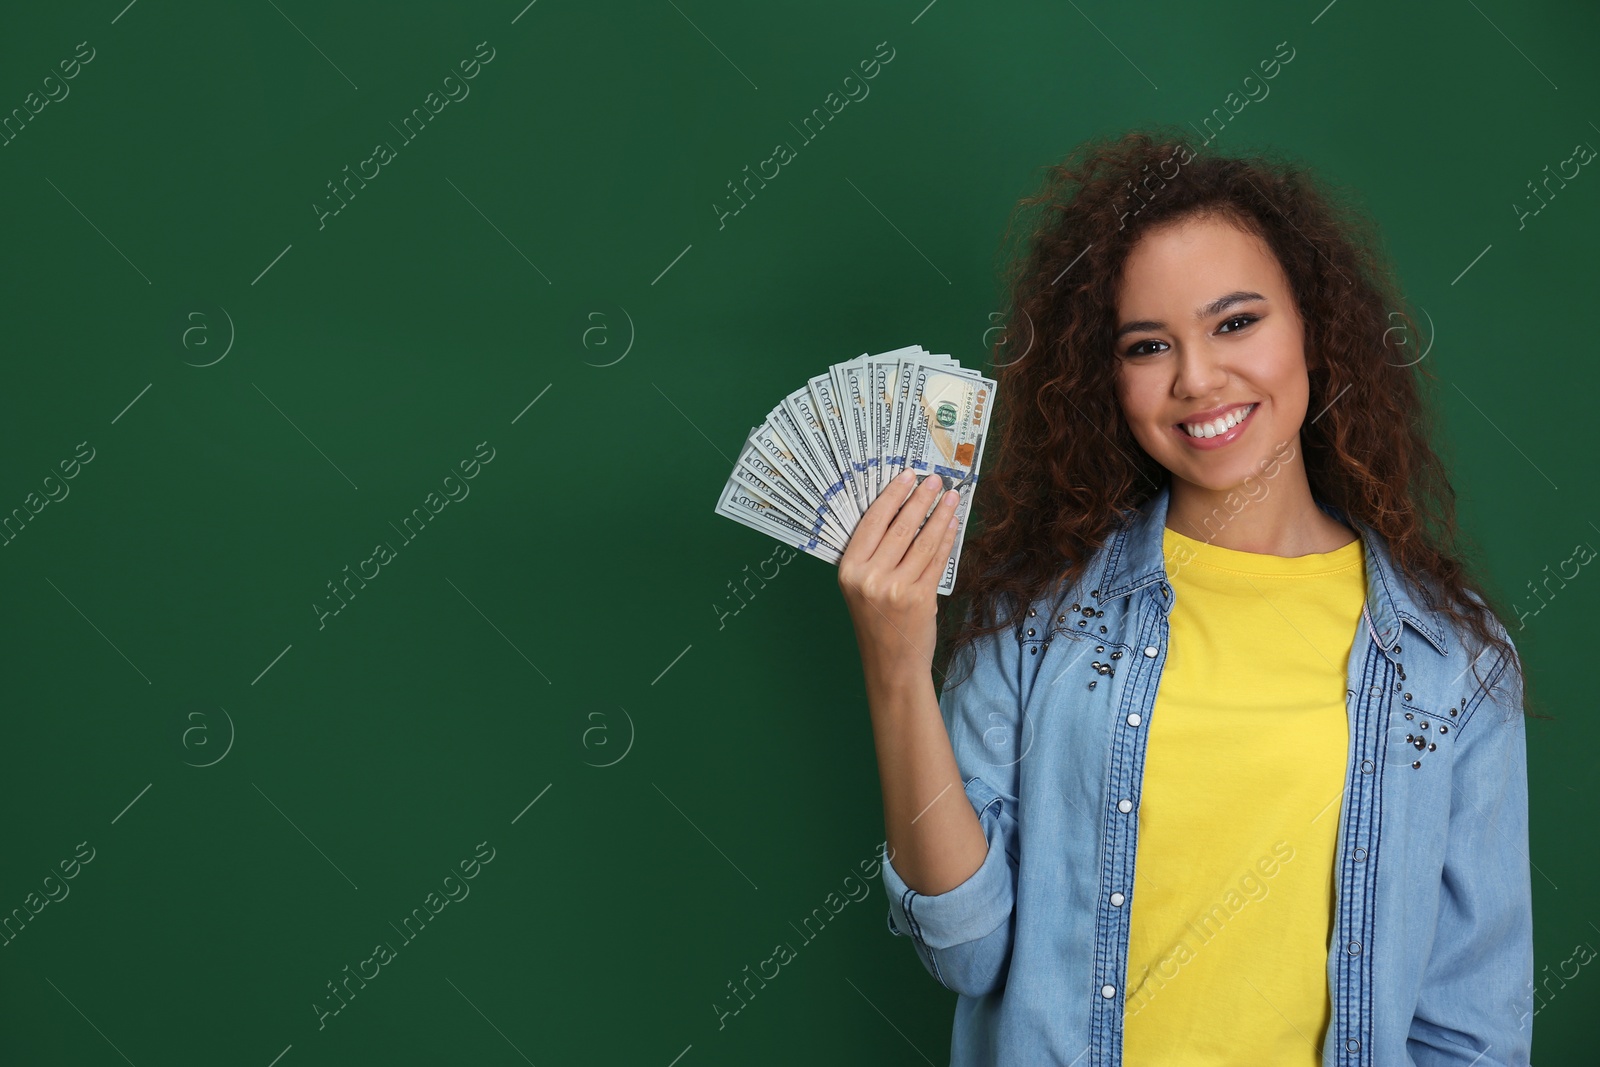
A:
890, 573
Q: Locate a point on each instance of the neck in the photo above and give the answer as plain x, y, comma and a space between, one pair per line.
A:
1274, 516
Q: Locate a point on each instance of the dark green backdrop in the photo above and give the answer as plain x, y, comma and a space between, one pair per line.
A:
251, 394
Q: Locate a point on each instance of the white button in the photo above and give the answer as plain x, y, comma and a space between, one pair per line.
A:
1150, 650
1124, 806
1133, 719
1117, 899
1108, 991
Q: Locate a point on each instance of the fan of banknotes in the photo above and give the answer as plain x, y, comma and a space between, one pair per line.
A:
810, 471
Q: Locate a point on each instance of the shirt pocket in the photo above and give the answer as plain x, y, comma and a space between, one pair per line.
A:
1421, 737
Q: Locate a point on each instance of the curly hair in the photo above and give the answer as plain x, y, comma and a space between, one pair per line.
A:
1065, 464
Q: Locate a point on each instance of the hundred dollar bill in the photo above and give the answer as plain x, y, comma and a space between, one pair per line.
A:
944, 432
852, 385
881, 372
830, 412
776, 461
815, 441
741, 505
768, 481
901, 385
792, 446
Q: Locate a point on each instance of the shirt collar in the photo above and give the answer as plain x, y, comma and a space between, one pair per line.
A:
1134, 559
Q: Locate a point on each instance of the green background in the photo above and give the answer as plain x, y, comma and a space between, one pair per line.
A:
551, 667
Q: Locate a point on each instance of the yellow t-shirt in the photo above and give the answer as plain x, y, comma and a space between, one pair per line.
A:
1244, 769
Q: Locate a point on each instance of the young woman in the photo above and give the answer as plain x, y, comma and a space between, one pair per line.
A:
1234, 769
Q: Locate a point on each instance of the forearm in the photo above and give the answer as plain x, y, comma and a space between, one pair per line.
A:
933, 835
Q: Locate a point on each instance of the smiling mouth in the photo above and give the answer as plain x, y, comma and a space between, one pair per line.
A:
1215, 427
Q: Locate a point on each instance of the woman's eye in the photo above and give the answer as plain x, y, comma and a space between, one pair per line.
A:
1246, 319
1135, 350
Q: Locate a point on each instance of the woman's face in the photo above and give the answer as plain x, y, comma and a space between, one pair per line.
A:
1207, 326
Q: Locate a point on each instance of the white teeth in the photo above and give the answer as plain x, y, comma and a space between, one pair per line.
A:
1217, 426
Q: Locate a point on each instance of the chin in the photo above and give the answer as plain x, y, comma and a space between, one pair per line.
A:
1216, 484
1218, 477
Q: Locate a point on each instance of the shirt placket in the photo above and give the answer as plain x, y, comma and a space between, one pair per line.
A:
1120, 828
1360, 824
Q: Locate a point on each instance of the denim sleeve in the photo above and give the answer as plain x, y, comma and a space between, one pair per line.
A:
1476, 1004
963, 936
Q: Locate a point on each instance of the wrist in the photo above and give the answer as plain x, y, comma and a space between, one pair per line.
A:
898, 683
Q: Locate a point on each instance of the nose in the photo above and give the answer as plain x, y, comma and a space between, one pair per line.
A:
1200, 372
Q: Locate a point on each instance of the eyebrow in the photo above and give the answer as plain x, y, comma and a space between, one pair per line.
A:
1217, 306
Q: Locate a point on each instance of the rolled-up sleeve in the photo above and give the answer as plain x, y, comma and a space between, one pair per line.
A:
963, 936
1476, 1004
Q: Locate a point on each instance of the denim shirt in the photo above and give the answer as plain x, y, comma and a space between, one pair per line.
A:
1431, 954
